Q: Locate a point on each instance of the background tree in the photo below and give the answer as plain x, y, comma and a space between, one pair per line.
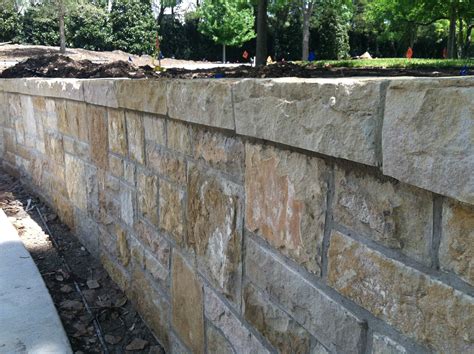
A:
307, 7
226, 22
262, 29
10, 22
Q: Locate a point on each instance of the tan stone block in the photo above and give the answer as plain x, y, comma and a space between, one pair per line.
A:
155, 130
98, 135
171, 210
142, 95
51, 118
77, 119
384, 345
54, 148
214, 214
179, 138
123, 249
117, 132
393, 214
456, 252
163, 163
136, 138
223, 152
60, 111
76, 181
64, 209
149, 237
147, 192
115, 165
129, 172
216, 342
187, 305
126, 199
157, 270
286, 202
118, 274
422, 308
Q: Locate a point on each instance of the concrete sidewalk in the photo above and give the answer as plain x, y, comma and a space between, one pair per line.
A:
29, 322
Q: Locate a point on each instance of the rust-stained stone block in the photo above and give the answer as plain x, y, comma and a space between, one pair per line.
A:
147, 193
136, 138
150, 238
286, 202
171, 210
123, 249
187, 304
456, 251
163, 163
430, 312
214, 214
117, 132
98, 135
77, 120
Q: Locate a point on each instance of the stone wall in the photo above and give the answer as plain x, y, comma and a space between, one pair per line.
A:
263, 216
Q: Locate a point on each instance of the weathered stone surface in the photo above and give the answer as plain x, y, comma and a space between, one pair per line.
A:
158, 271
223, 152
154, 242
216, 342
241, 339
307, 304
164, 164
50, 87
155, 130
403, 297
395, 215
147, 193
286, 202
179, 137
50, 120
427, 135
87, 231
151, 305
206, 102
123, 249
176, 346
76, 181
100, 92
281, 331
187, 305
384, 345
136, 138
214, 214
77, 120
171, 210
54, 148
117, 132
337, 117
142, 95
98, 135
126, 204
456, 252
118, 274
115, 165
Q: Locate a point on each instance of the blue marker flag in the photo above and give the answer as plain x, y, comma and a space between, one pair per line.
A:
311, 56
464, 71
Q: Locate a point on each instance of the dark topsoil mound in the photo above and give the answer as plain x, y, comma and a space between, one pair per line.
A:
61, 66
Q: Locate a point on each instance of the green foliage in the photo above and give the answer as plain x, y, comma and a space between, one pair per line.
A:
393, 63
133, 26
10, 22
40, 25
88, 27
228, 22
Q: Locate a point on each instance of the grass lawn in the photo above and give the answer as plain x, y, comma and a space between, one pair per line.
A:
394, 63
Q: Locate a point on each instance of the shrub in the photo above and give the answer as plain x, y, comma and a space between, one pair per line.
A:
10, 22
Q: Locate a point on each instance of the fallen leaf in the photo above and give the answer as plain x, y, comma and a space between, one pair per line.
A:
71, 305
112, 339
137, 344
121, 302
93, 284
66, 289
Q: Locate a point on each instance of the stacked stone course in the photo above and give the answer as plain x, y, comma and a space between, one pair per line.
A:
264, 216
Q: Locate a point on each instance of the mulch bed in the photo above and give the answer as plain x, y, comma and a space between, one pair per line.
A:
64, 263
63, 67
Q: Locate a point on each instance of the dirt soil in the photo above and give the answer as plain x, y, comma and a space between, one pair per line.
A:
62, 267
54, 65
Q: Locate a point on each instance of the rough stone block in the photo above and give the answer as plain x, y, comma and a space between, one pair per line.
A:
286, 202
54, 148
171, 210
206, 102
282, 332
456, 252
154, 242
403, 297
122, 244
217, 342
100, 92
118, 274
76, 181
187, 305
179, 137
147, 193
384, 345
155, 130
223, 152
77, 120
142, 95
117, 132
165, 164
136, 138
115, 165
158, 271
98, 135
337, 117
214, 214
241, 339
338, 329
126, 204
51, 118
50, 87
395, 215
427, 135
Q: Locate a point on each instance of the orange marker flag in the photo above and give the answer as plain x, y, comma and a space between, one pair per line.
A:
409, 53
245, 55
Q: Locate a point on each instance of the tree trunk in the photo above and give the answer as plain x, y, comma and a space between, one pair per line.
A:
261, 52
307, 12
467, 43
223, 54
460, 41
62, 35
452, 32
160, 15
109, 5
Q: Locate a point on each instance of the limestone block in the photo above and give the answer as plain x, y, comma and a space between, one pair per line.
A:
384, 345
205, 102
187, 305
101, 92
147, 193
166, 164
214, 214
76, 181
71, 89
136, 138
338, 329
286, 201
456, 252
336, 117
155, 130
115, 165
241, 339
395, 215
171, 210
54, 148
403, 297
154, 242
223, 152
117, 132
98, 135
142, 95
216, 341
282, 332
77, 120
126, 204
156, 268
179, 138
428, 132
